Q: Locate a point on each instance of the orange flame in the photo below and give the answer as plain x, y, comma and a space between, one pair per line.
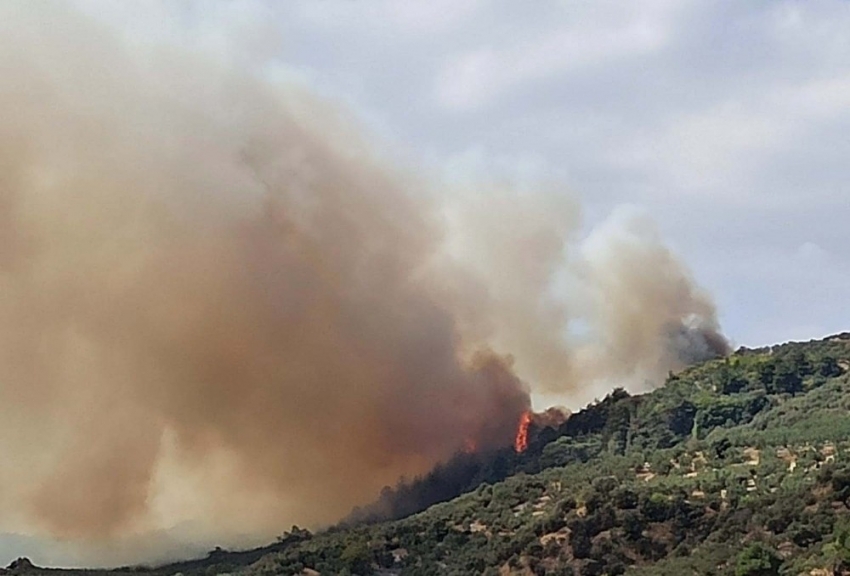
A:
521, 441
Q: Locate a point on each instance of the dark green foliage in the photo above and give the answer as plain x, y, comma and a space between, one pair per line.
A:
787, 379
680, 419
827, 367
728, 411
841, 545
757, 560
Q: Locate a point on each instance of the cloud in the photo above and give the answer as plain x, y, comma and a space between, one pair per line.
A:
400, 18
590, 38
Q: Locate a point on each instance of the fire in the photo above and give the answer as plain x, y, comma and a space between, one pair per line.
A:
521, 441
470, 446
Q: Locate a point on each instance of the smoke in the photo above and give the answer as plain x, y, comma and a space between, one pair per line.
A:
614, 307
645, 312
221, 303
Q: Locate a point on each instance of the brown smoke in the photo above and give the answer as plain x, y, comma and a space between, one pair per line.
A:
219, 302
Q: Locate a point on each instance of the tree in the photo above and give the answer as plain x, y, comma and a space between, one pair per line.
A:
615, 434
625, 499
828, 367
580, 539
680, 420
787, 379
656, 508
720, 447
841, 545
766, 373
357, 557
757, 560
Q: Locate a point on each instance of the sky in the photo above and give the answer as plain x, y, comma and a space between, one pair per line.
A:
728, 122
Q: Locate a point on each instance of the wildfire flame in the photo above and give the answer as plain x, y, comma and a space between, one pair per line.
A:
521, 441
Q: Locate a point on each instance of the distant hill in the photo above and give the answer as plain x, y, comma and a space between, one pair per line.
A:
738, 466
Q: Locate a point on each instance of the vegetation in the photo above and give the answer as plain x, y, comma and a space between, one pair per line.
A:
738, 467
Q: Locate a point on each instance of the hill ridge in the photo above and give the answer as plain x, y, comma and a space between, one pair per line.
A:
736, 466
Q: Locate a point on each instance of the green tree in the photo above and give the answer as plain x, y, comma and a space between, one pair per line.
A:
828, 367
766, 373
757, 560
357, 557
787, 379
841, 545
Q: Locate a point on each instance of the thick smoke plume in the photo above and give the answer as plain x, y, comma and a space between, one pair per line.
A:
218, 302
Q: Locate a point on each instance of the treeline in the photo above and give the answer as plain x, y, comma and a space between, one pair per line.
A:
735, 467
746, 381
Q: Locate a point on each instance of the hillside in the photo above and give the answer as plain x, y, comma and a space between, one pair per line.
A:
737, 466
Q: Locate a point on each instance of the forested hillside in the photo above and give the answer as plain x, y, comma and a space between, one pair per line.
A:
738, 466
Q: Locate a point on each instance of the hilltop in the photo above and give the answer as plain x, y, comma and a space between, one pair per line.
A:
737, 466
